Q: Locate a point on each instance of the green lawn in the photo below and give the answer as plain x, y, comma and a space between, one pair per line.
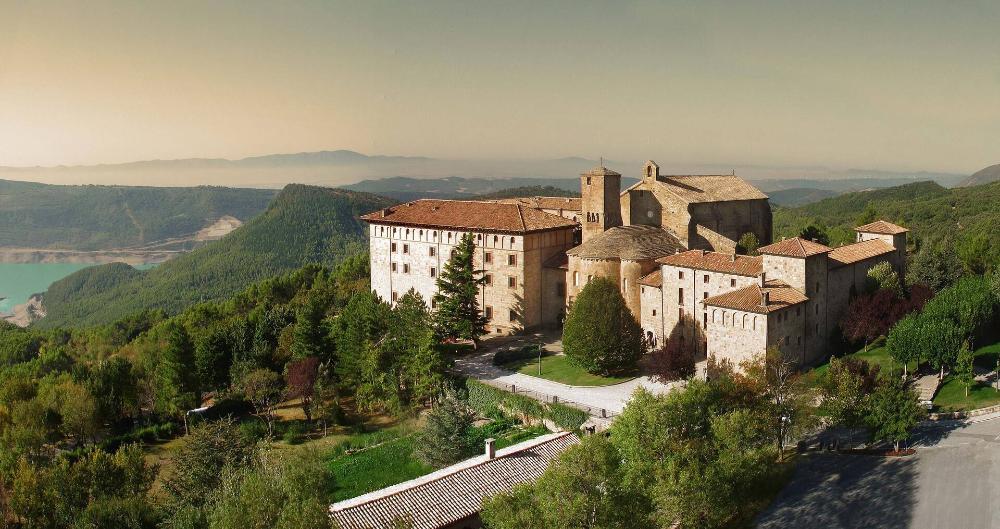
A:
876, 354
558, 368
951, 395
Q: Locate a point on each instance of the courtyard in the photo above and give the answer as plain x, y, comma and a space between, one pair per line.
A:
952, 481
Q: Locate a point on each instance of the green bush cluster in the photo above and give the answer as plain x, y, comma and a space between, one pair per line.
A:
508, 355
566, 417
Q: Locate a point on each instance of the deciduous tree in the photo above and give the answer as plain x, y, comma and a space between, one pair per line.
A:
893, 411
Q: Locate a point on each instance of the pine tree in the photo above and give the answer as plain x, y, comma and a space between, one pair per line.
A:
309, 337
361, 323
445, 437
458, 315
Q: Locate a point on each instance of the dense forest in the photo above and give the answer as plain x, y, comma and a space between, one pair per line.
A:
957, 222
531, 191
304, 224
36, 215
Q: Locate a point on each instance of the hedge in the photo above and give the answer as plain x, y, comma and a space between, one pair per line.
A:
489, 401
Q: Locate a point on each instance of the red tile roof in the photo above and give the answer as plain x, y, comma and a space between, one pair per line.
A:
751, 298
635, 242
654, 279
469, 215
741, 265
704, 188
859, 251
564, 203
795, 247
452, 493
882, 227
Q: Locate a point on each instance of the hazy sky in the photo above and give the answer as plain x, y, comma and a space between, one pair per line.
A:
893, 84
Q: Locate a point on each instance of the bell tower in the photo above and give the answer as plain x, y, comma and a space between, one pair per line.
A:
600, 188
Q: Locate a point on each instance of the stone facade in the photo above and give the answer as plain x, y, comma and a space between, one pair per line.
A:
667, 241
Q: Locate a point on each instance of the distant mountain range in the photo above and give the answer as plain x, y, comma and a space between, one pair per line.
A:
343, 167
983, 176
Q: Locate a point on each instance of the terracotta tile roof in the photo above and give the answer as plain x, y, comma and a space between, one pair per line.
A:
740, 265
882, 227
635, 242
750, 299
859, 251
559, 260
469, 215
564, 203
706, 188
795, 247
452, 493
654, 279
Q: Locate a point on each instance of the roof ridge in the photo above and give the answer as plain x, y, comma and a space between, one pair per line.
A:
520, 215
467, 464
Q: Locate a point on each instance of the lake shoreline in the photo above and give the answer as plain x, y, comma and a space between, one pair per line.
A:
26, 313
9, 255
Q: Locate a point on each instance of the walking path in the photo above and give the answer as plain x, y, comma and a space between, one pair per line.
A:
611, 398
927, 386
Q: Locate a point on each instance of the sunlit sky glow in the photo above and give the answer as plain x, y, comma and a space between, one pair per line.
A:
892, 85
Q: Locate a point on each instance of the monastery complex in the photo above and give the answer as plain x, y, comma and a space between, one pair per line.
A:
669, 242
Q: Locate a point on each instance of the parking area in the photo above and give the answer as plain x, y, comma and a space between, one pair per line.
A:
952, 481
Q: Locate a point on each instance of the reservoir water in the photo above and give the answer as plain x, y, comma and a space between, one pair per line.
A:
18, 281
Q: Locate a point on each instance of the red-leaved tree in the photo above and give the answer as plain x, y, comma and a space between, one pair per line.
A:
302, 376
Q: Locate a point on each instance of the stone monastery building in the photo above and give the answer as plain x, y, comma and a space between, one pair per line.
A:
669, 242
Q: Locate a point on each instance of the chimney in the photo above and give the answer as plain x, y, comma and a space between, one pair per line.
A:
763, 278
732, 258
764, 298
491, 449
384, 212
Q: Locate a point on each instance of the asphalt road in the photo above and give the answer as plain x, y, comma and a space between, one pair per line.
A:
952, 482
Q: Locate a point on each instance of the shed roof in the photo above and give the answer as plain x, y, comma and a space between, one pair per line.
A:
469, 215
859, 251
635, 242
653, 279
751, 299
452, 493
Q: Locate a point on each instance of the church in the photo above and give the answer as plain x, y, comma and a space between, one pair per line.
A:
669, 242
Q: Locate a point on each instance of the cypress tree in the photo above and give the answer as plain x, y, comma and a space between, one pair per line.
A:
601, 334
458, 315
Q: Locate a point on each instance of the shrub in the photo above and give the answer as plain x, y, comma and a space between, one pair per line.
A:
601, 334
566, 417
295, 433
252, 431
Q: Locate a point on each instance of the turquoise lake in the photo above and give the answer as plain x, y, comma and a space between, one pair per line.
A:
19, 281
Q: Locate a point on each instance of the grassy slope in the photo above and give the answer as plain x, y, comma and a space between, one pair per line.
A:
928, 209
558, 368
102, 217
303, 224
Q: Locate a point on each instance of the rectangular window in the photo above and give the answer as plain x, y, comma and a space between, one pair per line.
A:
512, 316
732, 282
704, 320
406, 248
434, 303
392, 267
434, 272
406, 268
680, 296
511, 282
452, 253
705, 280
394, 296
488, 279
817, 287
576, 279
489, 312
704, 295
680, 274
392, 247
432, 251
654, 312
488, 258
512, 260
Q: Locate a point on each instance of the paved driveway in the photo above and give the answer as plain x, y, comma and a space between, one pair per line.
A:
611, 398
952, 482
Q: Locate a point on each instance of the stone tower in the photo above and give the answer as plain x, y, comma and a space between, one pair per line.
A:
602, 208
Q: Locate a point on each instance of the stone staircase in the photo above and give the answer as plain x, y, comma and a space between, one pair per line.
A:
927, 386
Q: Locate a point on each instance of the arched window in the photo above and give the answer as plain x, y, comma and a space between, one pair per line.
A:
512, 242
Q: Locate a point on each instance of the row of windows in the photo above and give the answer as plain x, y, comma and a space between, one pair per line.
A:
488, 312
487, 279
432, 251
705, 278
450, 235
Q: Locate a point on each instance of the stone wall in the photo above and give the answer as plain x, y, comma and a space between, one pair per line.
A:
651, 317
732, 219
405, 257
735, 336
